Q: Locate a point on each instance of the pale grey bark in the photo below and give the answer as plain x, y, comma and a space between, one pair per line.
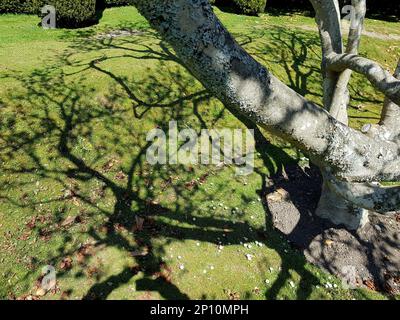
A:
390, 120
336, 96
334, 207
336, 93
356, 26
380, 78
211, 54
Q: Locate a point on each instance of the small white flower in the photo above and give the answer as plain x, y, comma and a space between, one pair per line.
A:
249, 257
181, 267
328, 285
179, 257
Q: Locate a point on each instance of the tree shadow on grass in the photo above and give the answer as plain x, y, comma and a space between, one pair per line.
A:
92, 149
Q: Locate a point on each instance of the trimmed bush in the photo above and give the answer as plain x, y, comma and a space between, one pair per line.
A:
72, 13
17, 6
117, 3
250, 7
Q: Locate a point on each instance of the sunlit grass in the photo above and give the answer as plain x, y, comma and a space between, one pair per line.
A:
73, 136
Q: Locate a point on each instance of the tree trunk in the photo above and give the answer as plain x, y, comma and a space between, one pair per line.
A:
338, 210
352, 160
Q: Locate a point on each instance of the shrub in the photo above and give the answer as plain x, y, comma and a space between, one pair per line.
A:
72, 13
117, 3
17, 6
102, 4
251, 7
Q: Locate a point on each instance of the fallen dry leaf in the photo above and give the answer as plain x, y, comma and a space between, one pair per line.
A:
68, 221
370, 284
146, 296
66, 263
232, 295
92, 271
120, 176
279, 195
139, 224
40, 292
32, 223
83, 252
65, 295
109, 165
25, 236
256, 290
140, 252
165, 273
45, 234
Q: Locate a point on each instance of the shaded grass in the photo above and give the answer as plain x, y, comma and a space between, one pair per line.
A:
75, 110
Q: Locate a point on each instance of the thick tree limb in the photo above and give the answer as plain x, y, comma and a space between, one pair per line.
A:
339, 89
380, 78
390, 118
336, 93
336, 96
372, 197
356, 26
240, 82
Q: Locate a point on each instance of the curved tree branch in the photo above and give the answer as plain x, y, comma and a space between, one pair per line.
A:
240, 82
378, 76
390, 118
336, 95
356, 25
369, 196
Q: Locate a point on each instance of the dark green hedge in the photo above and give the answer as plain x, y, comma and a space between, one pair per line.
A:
380, 9
102, 4
72, 13
251, 7
77, 13
117, 3
18, 6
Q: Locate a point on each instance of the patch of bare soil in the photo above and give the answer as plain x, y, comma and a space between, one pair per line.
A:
369, 257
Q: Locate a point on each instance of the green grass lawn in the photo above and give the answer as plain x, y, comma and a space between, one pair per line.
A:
75, 108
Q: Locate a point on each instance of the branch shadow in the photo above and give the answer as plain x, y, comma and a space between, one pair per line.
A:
93, 148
